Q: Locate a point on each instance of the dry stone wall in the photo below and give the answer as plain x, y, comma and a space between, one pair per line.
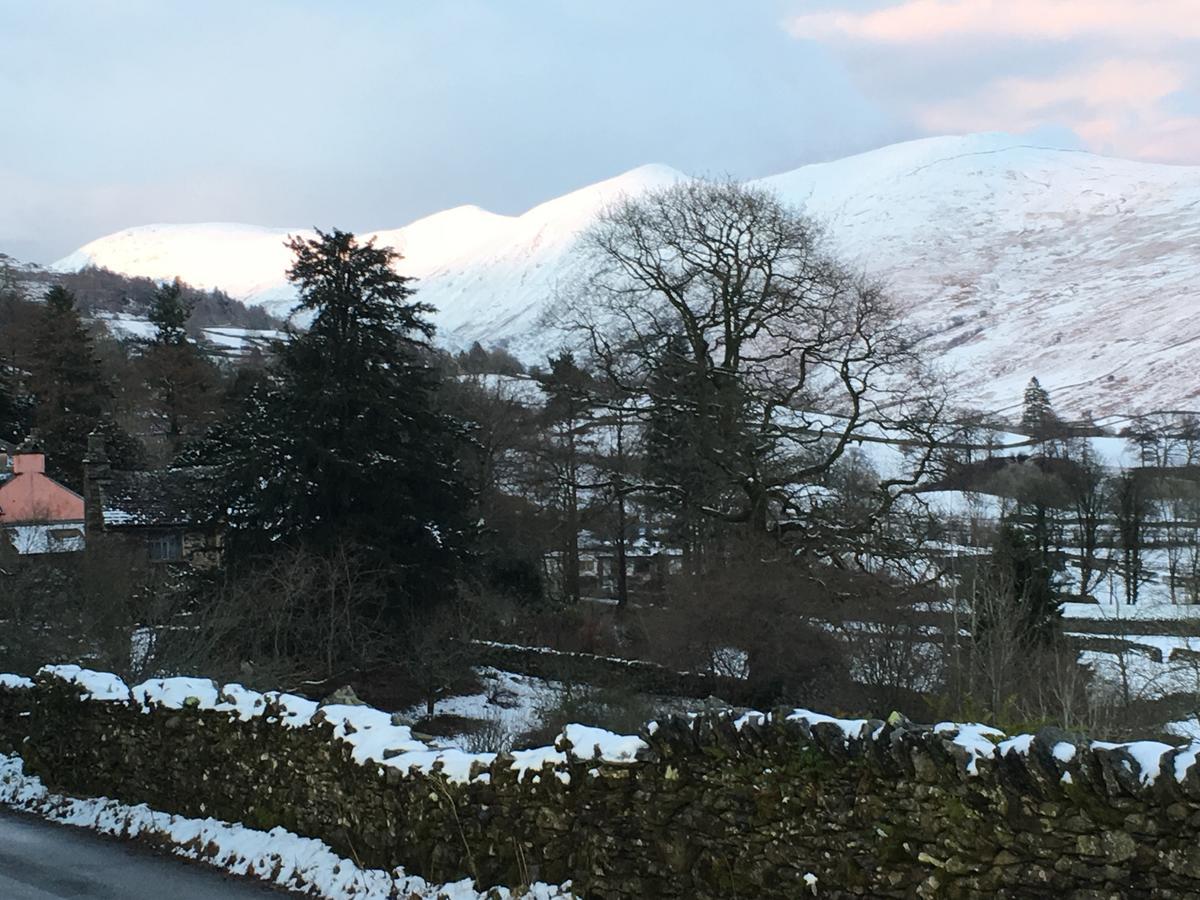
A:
605, 671
781, 805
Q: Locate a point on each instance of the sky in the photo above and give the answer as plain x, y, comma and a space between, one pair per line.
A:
368, 114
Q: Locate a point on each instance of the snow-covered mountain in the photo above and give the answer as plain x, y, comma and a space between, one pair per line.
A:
1013, 260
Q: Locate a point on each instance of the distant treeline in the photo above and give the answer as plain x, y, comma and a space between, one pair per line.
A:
102, 290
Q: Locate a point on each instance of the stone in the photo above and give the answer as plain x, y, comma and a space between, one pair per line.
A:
343, 696
890, 816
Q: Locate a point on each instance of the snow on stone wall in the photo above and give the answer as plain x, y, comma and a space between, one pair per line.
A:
717, 806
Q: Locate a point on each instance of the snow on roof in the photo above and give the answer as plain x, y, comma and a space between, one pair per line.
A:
160, 497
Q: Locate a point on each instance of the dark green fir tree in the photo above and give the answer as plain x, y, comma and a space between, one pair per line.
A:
1037, 416
169, 313
184, 385
343, 442
67, 384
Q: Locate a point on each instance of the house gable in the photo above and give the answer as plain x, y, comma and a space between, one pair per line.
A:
28, 495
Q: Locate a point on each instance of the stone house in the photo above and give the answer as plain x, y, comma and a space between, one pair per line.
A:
37, 514
162, 515
648, 565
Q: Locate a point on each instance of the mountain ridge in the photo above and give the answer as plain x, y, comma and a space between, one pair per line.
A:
1011, 258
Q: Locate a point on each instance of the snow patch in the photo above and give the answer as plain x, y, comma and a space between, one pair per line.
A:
980, 741
1064, 752
277, 856
597, 743
1146, 754
177, 693
95, 685
1019, 745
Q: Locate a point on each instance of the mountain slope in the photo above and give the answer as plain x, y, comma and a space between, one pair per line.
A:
1013, 260
1020, 261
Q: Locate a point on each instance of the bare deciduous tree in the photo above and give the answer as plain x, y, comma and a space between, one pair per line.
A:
761, 328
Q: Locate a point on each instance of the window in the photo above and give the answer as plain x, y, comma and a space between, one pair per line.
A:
65, 539
166, 548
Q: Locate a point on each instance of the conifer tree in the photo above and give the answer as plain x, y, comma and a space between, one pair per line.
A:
1024, 574
343, 442
67, 384
14, 402
567, 418
1037, 416
183, 383
169, 313
14, 411
690, 430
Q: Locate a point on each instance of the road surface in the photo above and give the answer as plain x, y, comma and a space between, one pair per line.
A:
42, 861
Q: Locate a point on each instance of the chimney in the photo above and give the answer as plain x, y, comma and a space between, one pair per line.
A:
95, 462
95, 473
29, 457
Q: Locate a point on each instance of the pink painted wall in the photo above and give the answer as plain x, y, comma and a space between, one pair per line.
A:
30, 496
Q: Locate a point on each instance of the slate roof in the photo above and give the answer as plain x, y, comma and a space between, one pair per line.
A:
159, 498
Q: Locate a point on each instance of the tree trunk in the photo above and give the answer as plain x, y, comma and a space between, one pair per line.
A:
619, 490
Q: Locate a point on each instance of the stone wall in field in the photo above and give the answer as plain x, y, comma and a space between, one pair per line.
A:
630, 675
785, 805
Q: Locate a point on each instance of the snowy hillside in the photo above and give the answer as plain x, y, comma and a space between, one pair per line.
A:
1013, 261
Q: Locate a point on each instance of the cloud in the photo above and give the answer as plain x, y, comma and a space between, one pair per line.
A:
922, 21
1115, 106
1124, 76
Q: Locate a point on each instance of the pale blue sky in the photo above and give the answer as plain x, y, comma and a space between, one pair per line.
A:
368, 114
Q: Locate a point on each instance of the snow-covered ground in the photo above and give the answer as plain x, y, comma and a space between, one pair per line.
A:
510, 704
1145, 677
232, 341
277, 856
988, 243
1149, 609
308, 865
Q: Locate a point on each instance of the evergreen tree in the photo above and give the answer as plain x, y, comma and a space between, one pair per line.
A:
1021, 571
1038, 417
1131, 508
1087, 498
567, 420
184, 385
67, 384
14, 410
169, 313
696, 439
342, 442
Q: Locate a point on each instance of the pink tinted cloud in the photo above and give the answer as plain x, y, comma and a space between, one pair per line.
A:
1130, 65
915, 21
1115, 106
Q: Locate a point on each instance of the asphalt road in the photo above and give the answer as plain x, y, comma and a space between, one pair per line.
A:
42, 861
